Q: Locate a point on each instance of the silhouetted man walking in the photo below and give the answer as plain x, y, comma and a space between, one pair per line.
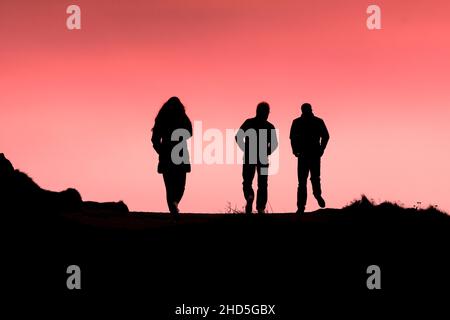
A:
309, 138
257, 138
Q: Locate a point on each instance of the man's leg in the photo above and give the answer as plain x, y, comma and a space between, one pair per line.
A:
302, 175
315, 181
261, 197
248, 173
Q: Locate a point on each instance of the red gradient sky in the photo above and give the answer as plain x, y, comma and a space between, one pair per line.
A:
77, 107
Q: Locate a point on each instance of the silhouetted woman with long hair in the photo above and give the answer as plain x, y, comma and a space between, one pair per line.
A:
171, 130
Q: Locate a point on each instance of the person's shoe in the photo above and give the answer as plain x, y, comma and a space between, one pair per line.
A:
174, 208
321, 201
300, 210
249, 205
261, 211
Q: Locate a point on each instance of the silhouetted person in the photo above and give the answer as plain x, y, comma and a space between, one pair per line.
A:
258, 139
309, 137
171, 130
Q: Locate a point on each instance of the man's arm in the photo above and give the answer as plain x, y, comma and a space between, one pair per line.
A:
325, 137
240, 136
293, 136
273, 143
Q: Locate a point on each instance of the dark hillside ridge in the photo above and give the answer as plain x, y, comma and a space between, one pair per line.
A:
312, 262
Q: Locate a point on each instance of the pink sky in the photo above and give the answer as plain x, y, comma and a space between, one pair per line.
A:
77, 107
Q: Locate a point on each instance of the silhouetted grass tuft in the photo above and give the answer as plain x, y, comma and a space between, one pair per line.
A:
366, 205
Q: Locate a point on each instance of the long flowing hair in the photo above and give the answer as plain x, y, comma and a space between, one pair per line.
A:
171, 114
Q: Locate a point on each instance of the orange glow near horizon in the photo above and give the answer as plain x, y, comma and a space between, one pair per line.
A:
77, 107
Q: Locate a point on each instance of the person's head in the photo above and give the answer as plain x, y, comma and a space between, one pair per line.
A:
174, 106
306, 109
263, 110
172, 109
